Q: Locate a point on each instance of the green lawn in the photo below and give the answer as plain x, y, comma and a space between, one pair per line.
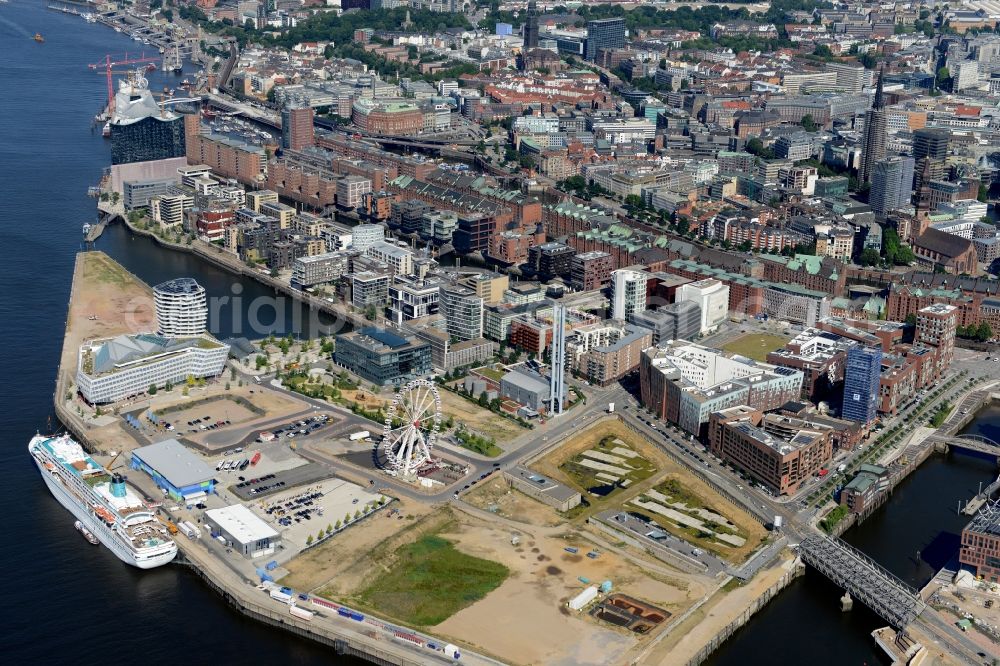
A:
431, 581
492, 373
585, 478
755, 346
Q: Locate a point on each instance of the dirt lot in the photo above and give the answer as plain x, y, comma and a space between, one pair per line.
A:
529, 621
550, 465
118, 301
512, 504
685, 640
340, 564
478, 419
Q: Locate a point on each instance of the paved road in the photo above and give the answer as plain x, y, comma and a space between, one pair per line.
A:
673, 547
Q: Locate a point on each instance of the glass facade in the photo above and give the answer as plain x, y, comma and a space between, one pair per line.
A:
147, 139
861, 384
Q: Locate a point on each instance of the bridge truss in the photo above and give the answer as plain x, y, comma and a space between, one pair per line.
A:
865, 579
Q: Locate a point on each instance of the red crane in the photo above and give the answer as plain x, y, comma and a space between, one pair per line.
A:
113, 61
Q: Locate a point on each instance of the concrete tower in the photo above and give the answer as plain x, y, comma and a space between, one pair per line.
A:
557, 383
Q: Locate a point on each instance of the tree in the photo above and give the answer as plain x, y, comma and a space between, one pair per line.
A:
152, 389
309, 540
984, 332
870, 257
943, 77
484, 400
984, 193
911, 319
808, 124
371, 313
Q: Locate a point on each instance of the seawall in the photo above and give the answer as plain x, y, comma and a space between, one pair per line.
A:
230, 263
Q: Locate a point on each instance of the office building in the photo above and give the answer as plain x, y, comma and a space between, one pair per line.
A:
604, 352
931, 143
674, 321
381, 357
981, 544
369, 289
318, 269
892, 185
365, 236
297, 128
138, 193
412, 298
628, 293
683, 383
874, 138
781, 452
398, 259
242, 530
257, 198
606, 33
936, 326
550, 260
866, 485
462, 310
712, 298
181, 308
820, 356
861, 384
351, 191
126, 366
591, 270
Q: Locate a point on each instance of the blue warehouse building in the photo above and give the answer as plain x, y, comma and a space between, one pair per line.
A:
182, 474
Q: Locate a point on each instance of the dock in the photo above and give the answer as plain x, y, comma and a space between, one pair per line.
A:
983, 496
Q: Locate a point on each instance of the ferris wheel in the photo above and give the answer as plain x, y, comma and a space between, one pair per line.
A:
412, 423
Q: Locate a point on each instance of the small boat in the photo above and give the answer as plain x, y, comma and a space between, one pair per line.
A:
87, 534
150, 67
38, 38
106, 132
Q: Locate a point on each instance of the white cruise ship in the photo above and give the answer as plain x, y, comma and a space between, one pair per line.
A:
102, 502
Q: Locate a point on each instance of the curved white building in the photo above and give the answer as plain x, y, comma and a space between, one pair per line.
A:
181, 308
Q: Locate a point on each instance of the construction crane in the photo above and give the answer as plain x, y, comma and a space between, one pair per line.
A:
113, 61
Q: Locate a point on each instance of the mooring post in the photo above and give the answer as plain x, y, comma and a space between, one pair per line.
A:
846, 603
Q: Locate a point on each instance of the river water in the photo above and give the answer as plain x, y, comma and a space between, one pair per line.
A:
71, 602
80, 603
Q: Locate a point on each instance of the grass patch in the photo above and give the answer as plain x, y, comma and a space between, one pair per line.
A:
491, 373
585, 478
101, 268
431, 581
755, 346
831, 519
481, 445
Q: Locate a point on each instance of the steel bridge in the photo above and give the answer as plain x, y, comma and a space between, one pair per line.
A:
865, 579
976, 443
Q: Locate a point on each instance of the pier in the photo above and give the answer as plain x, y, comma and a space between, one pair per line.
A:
976, 503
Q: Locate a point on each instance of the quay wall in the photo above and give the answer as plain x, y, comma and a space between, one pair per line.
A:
755, 606
224, 261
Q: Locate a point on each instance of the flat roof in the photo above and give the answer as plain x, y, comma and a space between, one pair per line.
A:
543, 483
175, 463
241, 523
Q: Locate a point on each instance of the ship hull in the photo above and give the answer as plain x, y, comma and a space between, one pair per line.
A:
98, 528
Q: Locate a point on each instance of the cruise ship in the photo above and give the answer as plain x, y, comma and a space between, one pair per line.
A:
102, 502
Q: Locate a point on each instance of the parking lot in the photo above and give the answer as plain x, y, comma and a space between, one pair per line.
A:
307, 511
292, 429
263, 485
